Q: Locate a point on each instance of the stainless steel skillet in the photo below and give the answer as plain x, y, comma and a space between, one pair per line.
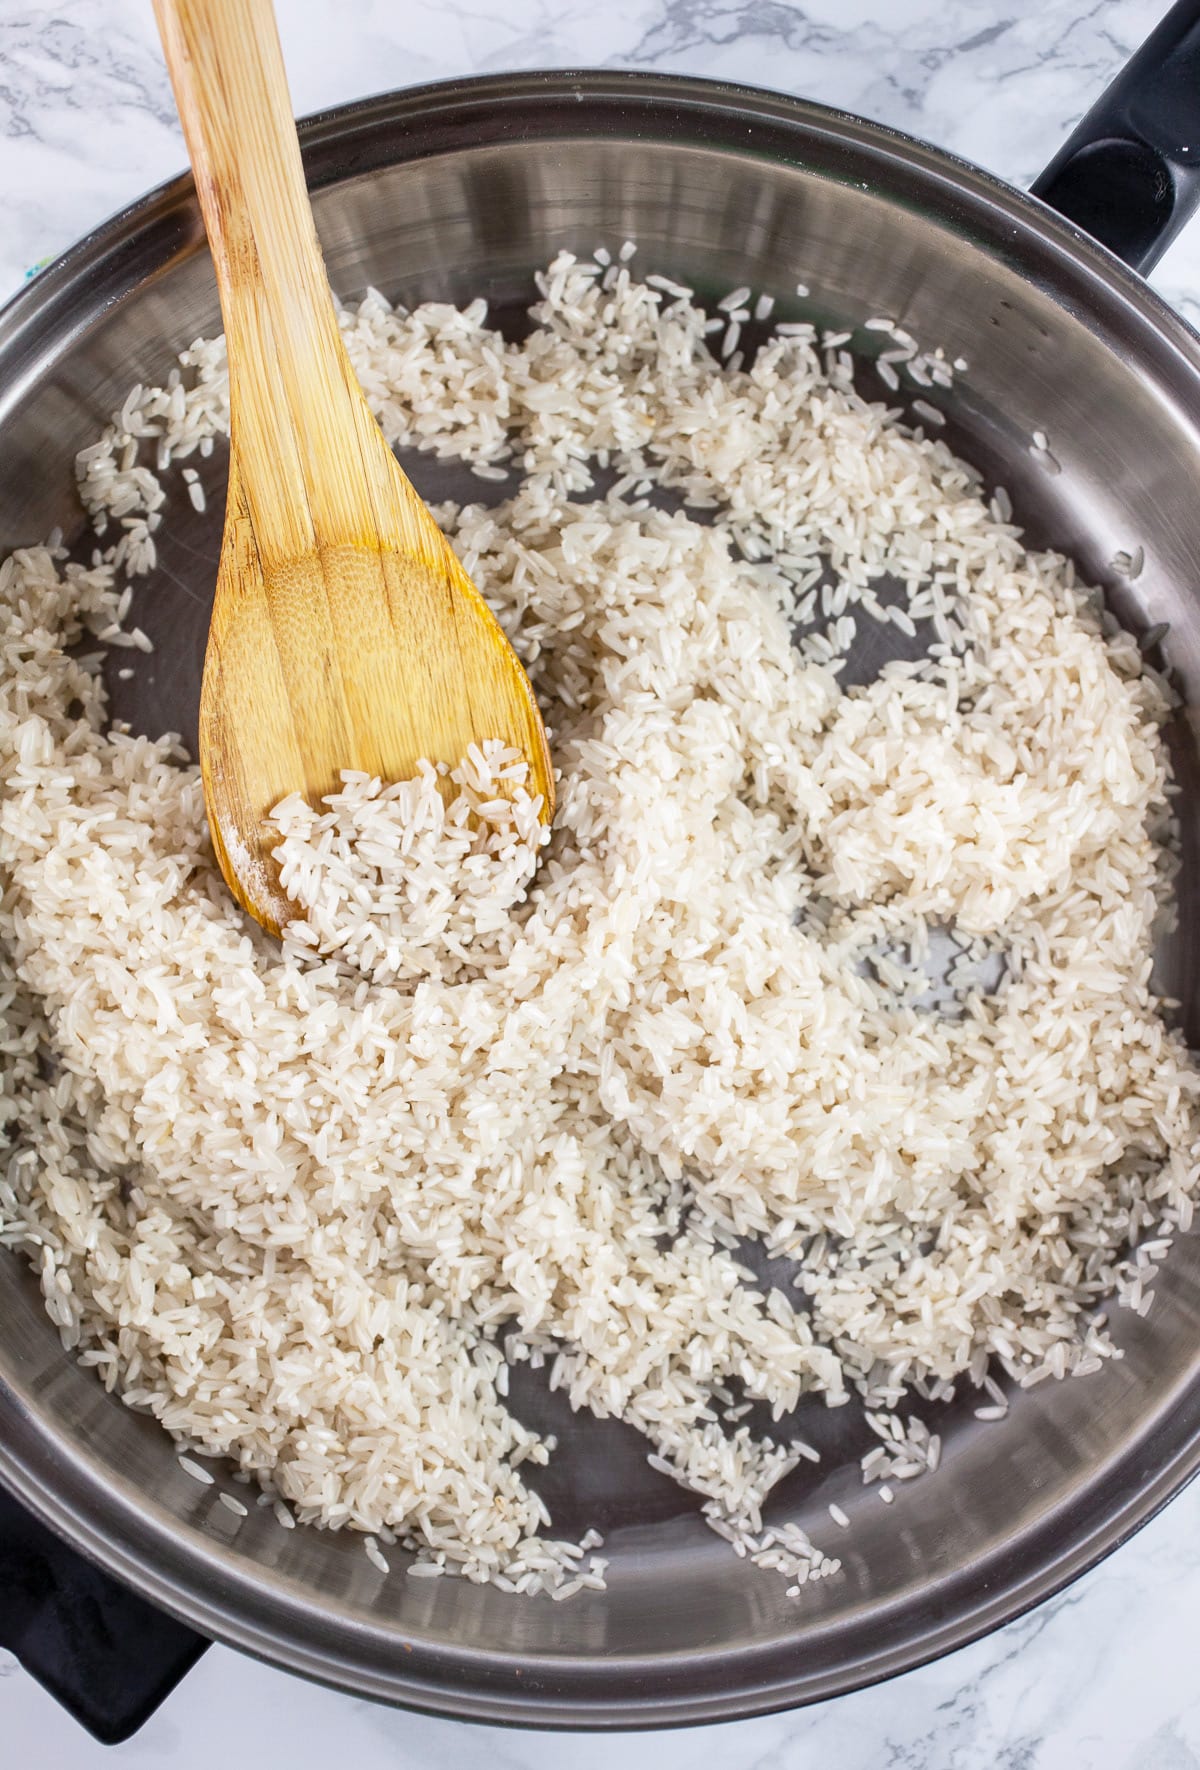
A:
453, 191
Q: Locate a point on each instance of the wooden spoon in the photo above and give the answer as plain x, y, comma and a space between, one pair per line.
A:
344, 633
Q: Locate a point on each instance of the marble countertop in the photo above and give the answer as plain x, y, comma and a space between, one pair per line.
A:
1101, 1678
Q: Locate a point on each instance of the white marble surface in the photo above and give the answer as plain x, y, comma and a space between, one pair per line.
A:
1103, 1678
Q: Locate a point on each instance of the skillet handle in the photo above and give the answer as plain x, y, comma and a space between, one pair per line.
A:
101, 1651
1129, 174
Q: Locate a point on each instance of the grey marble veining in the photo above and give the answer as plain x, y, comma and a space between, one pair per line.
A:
1101, 1678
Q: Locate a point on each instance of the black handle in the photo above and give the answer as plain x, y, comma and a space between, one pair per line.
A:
101, 1651
1129, 175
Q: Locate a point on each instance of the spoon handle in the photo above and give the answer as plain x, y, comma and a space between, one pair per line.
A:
307, 448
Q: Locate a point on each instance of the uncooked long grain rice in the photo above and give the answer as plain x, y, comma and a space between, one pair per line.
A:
288, 1198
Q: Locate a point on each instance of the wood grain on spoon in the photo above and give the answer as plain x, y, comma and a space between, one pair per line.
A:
344, 633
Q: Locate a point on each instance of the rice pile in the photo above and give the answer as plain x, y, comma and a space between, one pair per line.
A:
863, 973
